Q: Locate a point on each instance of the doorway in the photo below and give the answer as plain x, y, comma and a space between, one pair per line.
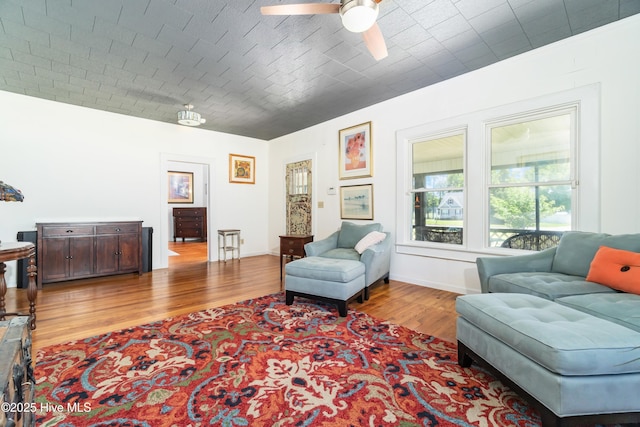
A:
182, 254
187, 211
299, 197
193, 250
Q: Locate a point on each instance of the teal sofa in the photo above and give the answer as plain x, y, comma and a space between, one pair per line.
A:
341, 245
568, 345
559, 274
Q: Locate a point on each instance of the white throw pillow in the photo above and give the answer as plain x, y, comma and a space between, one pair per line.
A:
369, 240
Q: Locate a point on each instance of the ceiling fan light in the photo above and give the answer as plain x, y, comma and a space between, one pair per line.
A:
359, 15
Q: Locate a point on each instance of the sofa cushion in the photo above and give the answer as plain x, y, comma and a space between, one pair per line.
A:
565, 341
617, 307
577, 248
351, 234
331, 270
617, 269
545, 285
341, 253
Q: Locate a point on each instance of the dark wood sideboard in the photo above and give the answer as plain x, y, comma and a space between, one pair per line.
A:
190, 223
78, 250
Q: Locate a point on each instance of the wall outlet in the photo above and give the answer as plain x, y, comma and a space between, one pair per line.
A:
320, 204
242, 241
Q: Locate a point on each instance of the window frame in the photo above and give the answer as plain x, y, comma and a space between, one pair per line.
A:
449, 132
586, 166
568, 109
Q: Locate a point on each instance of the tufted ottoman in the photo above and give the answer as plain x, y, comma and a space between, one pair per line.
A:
337, 281
576, 368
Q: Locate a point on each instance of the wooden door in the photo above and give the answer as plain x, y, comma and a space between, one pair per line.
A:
298, 195
55, 259
129, 251
81, 256
107, 254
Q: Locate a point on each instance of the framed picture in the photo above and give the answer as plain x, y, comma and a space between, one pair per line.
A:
356, 202
242, 169
355, 151
180, 187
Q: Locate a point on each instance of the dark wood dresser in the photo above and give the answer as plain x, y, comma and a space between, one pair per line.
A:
17, 382
76, 250
190, 223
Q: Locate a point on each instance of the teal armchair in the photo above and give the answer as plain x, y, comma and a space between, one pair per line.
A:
342, 243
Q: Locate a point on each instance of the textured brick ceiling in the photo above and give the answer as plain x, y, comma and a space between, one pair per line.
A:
264, 76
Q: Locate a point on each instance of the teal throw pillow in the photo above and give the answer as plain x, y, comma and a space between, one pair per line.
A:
351, 234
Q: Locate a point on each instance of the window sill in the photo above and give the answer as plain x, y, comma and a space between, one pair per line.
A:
453, 252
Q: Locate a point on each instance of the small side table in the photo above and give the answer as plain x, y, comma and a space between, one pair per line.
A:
292, 246
224, 245
10, 251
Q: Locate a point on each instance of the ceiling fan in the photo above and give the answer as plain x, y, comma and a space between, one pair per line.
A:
358, 16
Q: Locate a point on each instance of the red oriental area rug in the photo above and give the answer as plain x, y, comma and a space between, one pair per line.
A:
263, 363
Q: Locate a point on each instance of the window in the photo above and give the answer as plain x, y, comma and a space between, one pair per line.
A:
298, 180
438, 188
530, 185
510, 177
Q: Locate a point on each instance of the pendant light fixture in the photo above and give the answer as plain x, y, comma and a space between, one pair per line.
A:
190, 118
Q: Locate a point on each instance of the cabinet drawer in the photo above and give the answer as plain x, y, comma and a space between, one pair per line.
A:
189, 230
68, 231
184, 222
294, 247
187, 212
116, 228
189, 219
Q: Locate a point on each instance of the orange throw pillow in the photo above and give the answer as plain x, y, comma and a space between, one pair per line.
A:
616, 269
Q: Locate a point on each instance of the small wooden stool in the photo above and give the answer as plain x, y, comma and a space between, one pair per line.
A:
234, 245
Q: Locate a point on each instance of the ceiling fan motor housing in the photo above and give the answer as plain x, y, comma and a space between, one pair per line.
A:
358, 15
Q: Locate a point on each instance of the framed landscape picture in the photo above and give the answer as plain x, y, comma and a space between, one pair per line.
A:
242, 169
355, 152
356, 202
180, 187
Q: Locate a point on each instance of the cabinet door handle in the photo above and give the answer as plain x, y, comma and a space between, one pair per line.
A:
117, 230
69, 231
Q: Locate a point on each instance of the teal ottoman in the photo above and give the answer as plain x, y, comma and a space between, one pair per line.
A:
574, 367
337, 281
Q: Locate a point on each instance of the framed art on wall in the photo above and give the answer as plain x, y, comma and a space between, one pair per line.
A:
180, 187
242, 169
355, 149
356, 202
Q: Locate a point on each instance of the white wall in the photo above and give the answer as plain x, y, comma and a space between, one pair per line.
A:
75, 163
100, 165
607, 55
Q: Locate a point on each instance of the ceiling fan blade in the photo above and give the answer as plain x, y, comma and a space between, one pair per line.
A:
301, 9
375, 42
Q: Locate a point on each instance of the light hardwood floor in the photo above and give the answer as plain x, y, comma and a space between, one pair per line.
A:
82, 308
